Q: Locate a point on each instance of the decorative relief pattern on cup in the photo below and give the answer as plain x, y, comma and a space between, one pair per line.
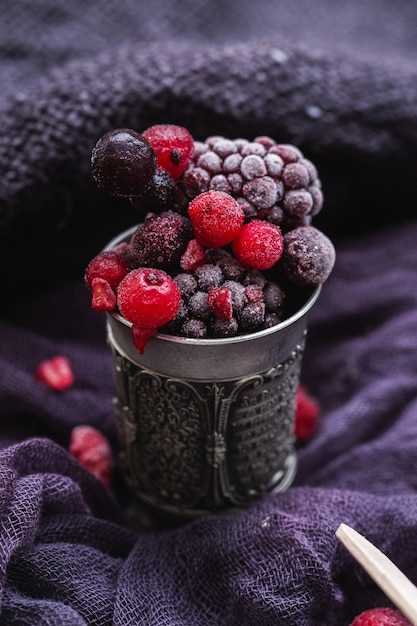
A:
203, 446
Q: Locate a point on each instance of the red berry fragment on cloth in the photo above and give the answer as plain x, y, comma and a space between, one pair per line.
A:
56, 373
381, 617
91, 448
307, 412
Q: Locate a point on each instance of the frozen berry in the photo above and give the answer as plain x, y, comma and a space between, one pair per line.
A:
258, 245
123, 163
103, 297
173, 146
216, 218
381, 617
161, 240
148, 298
91, 448
158, 195
194, 256
220, 302
308, 257
56, 373
307, 411
194, 329
102, 276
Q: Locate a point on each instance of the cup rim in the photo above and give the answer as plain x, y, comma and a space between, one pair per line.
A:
299, 313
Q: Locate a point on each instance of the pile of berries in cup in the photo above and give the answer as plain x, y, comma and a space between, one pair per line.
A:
224, 238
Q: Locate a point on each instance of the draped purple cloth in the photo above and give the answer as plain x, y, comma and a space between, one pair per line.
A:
342, 85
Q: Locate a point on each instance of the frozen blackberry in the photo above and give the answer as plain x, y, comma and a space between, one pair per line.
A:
160, 240
231, 268
208, 276
158, 195
252, 316
220, 328
270, 181
274, 297
198, 306
186, 283
195, 329
123, 163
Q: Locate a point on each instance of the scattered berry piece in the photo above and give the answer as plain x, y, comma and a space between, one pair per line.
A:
56, 373
173, 146
123, 163
381, 617
89, 446
216, 218
259, 245
307, 412
219, 300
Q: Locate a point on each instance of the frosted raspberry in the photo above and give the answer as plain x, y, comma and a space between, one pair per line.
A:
161, 240
216, 218
381, 617
258, 245
148, 298
219, 300
308, 256
123, 163
307, 412
89, 446
173, 146
56, 373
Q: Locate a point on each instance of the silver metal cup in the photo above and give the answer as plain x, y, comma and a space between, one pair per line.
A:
206, 425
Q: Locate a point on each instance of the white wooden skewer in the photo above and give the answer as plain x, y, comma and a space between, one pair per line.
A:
396, 586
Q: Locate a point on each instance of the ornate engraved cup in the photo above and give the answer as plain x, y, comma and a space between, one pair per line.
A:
206, 425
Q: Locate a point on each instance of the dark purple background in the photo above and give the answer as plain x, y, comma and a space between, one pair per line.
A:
339, 80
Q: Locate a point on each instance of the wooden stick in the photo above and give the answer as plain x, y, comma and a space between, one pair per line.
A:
396, 586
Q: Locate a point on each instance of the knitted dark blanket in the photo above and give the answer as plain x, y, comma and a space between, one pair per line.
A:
340, 81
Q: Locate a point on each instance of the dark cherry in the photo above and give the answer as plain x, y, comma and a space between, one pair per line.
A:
123, 163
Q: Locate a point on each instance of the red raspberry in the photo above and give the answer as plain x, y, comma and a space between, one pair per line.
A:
89, 446
56, 373
259, 245
307, 413
216, 218
219, 300
148, 298
381, 617
173, 146
110, 267
193, 257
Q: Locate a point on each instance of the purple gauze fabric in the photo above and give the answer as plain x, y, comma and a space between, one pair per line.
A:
70, 553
